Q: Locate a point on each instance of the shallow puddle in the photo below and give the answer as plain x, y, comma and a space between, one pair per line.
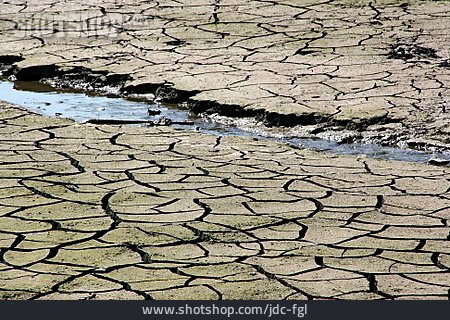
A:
81, 107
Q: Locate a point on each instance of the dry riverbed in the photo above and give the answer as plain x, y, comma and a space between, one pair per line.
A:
92, 211
357, 70
99, 212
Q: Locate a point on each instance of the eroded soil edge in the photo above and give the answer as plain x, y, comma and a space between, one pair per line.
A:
382, 129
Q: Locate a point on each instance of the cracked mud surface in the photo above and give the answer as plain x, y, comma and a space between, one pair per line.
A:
117, 212
380, 68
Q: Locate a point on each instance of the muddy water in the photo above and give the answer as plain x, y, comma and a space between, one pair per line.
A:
81, 107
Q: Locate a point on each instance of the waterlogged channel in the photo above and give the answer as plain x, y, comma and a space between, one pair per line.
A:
82, 107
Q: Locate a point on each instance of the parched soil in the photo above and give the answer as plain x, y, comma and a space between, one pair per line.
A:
378, 67
120, 212
91, 211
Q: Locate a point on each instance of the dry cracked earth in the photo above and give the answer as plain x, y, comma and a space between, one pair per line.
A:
381, 68
122, 212
128, 212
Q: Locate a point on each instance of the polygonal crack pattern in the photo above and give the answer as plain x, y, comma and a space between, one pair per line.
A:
379, 66
111, 212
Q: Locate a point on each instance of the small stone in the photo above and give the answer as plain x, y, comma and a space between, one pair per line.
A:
163, 121
436, 161
153, 112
